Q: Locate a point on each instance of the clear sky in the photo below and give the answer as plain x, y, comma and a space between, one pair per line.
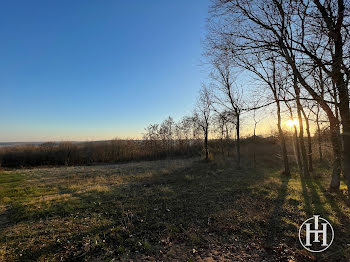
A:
90, 70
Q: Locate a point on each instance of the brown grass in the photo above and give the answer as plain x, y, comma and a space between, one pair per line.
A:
182, 210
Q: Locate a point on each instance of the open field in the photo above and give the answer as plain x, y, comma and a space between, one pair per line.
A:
185, 210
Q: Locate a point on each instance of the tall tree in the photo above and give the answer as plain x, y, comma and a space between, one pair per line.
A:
230, 96
203, 114
269, 75
305, 165
309, 142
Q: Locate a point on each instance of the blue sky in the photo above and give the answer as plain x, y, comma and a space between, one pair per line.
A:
89, 70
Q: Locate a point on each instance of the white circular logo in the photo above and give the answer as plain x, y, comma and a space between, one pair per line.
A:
316, 234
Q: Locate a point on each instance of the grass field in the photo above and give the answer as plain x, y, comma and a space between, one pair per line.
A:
184, 210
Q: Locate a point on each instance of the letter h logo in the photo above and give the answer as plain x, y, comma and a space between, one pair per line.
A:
313, 226
316, 232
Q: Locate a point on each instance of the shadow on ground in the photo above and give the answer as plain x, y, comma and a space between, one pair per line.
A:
201, 212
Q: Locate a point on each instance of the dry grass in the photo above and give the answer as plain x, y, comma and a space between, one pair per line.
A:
184, 210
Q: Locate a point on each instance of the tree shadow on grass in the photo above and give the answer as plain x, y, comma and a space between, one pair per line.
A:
331, 199
56, 247
340, 246
306, 197
274, 224
312, 189
180, 207
313, 203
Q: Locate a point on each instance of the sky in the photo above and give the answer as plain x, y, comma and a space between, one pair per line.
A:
94, 70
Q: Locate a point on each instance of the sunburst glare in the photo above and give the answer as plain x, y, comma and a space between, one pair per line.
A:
292, 122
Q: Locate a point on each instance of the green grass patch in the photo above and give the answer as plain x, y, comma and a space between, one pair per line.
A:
165, 210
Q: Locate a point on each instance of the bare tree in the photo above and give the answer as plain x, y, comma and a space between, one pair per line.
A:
270, 75
256, 121
221, 121
230, 95
203, 114
166, 133
304, 34
296, 144
309, 142
301, 129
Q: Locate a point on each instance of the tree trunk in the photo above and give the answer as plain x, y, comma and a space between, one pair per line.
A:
295, 141
238, 140
301, 130
282, 139
309, 143
319, 136
336, 146
345, 120
227, 140
222, 140
297, 149
254, 153
338, 75
206, 146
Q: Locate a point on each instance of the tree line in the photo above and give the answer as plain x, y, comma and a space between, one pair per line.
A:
297, 52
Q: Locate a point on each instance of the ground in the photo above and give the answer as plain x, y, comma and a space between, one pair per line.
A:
169, 210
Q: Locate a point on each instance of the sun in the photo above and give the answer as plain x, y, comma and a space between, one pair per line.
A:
291, 123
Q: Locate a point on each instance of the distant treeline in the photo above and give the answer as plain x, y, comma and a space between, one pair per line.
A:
168, 139
265, 150
114, 151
